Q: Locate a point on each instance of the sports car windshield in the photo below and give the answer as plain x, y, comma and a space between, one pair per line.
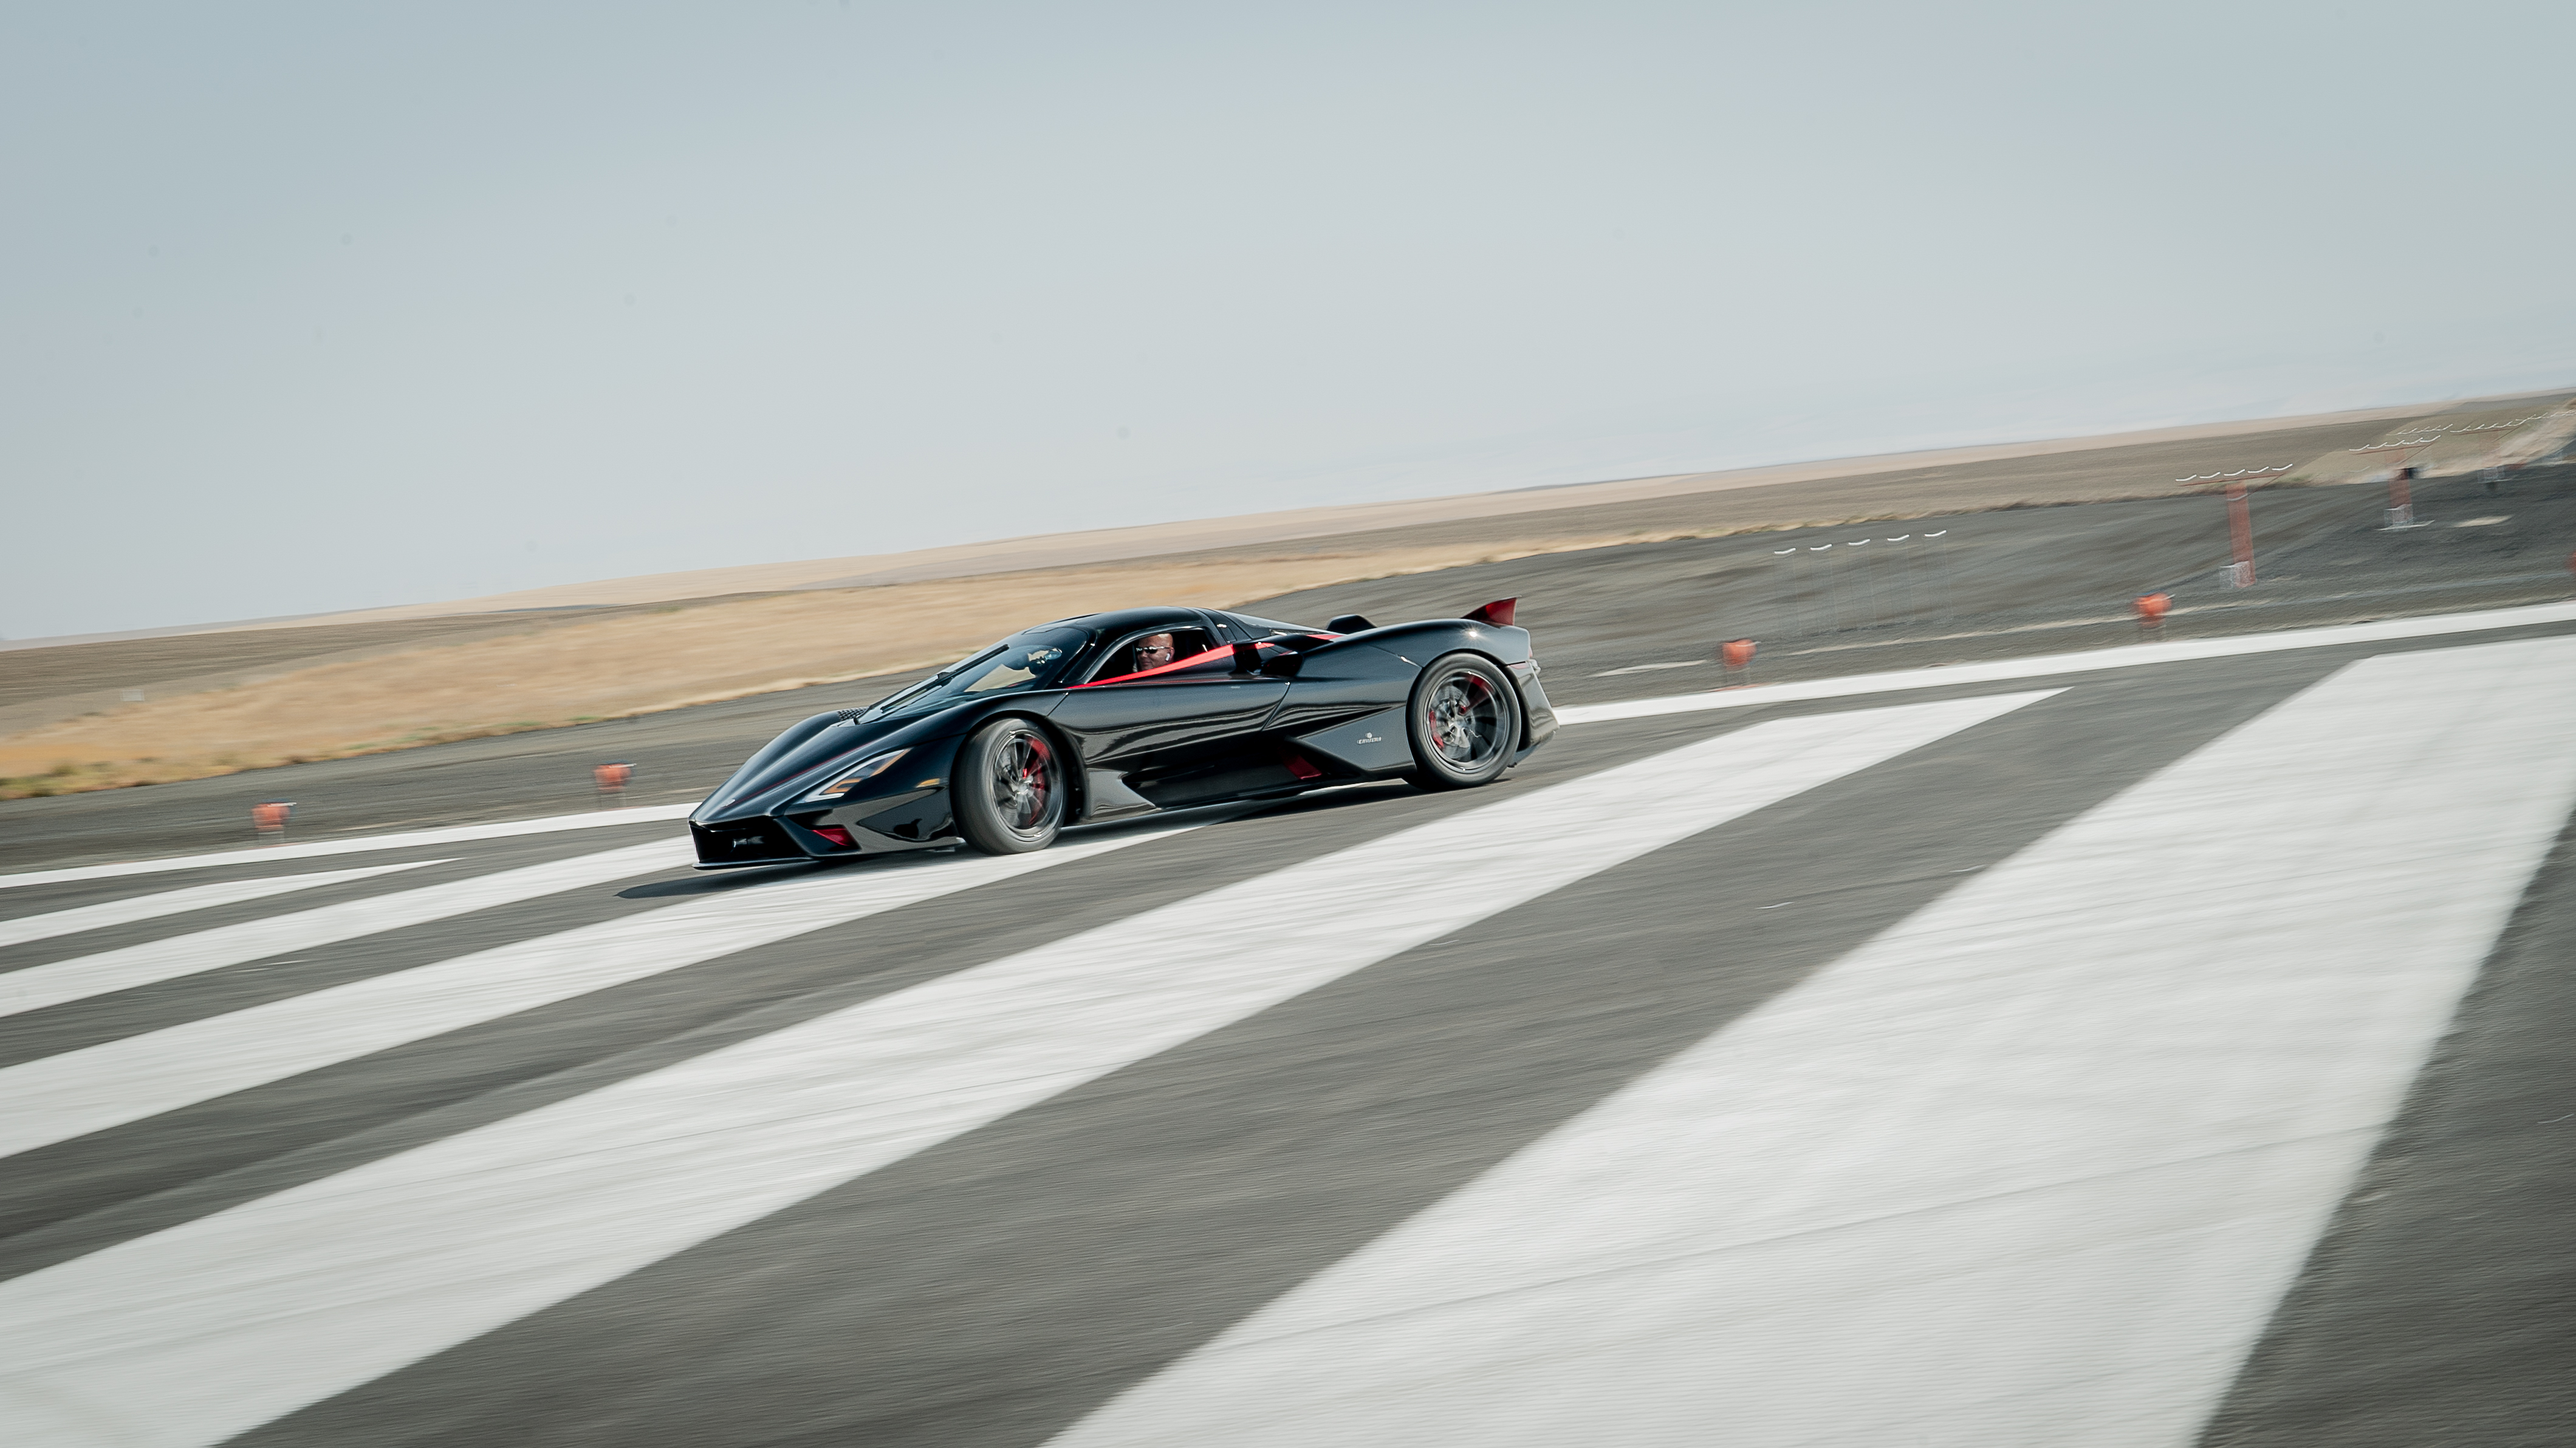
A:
1032, 660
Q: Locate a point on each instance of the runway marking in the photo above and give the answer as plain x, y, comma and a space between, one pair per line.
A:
56, 1098
596, 819
39, 986
199, 1332
2032, 1167
1651, 668
174, 902
2131, 656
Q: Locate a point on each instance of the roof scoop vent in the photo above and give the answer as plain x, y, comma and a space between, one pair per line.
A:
1350, 623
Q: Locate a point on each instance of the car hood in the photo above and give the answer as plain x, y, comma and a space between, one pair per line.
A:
799, 758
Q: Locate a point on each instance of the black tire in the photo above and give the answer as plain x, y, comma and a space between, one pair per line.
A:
1464, 722
1009, 788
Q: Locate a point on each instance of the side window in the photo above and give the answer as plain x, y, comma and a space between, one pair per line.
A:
1164, 654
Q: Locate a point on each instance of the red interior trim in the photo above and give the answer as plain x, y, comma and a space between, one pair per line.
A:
1194, 660
1225, 652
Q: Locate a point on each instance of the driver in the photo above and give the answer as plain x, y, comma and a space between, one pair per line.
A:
1153, 651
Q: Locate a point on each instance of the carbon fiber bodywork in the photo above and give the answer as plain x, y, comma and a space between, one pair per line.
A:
1256, 710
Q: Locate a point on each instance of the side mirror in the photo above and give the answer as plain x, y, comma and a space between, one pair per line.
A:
1247, 658
1285, 666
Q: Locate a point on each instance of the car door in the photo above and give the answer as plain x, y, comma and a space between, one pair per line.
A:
1131, 722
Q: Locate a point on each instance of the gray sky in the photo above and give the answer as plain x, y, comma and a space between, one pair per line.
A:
325, 306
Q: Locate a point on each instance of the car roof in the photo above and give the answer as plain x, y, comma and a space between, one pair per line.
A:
1123, 619
1257, 624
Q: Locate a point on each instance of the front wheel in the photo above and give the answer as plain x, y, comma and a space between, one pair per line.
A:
1464, 721
1009, 788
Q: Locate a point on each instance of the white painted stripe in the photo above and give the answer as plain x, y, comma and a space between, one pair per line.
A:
175, 902
197, 1333
2033, 1167
2042, 666
269, 854
59, 1097
1651, 668
52, 984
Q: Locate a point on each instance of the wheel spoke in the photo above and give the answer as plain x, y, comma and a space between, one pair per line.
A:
1465, 719
1022, 791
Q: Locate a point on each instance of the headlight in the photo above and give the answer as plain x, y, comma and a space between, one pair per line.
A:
851, 779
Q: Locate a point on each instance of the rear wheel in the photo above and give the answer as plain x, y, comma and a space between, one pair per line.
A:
1009, 788
1464, 721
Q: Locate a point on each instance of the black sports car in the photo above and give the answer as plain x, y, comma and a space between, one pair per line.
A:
1117, 714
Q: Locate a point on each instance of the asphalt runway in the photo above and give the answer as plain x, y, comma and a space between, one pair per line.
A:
2035, 1052
1609, 623
1844, 599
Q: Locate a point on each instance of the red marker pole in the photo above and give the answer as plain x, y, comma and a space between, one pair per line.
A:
270, 818
2240, 533
2151, 609
610, 780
